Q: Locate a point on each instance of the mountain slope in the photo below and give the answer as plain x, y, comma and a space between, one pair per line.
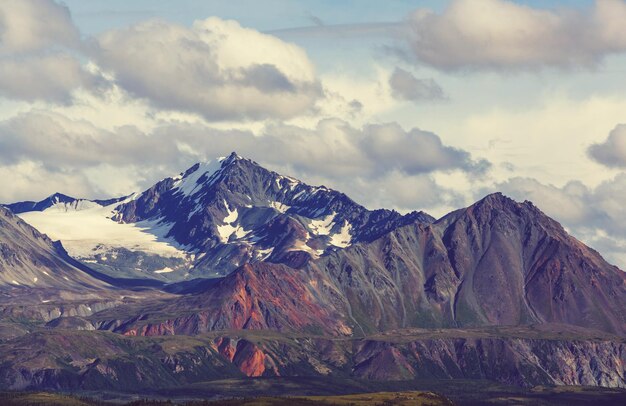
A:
517, 265
314, 285
497, 262
89, 235
30, 259
261, 296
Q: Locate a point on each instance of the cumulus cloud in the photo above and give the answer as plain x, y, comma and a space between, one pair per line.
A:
334, 148
355, 160
45, 77
568, 204
35, 25
500, 34
58, 143
414, 151
402, 192
216, 68
405, 86
27, 177
611, 152
38, 49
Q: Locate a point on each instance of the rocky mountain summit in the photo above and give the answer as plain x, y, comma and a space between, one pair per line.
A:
233, 211
209, 220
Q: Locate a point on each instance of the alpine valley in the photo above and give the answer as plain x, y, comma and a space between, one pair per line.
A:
233, 275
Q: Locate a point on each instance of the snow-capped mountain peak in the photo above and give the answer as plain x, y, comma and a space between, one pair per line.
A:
222, 214
193, 180
232, 210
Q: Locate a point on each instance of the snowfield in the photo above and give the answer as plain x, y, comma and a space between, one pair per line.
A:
89, 231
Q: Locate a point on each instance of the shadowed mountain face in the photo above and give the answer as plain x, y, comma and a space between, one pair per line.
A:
29, 258
497, 262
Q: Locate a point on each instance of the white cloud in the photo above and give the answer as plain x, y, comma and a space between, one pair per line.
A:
566, 203
546, 140
402, 192
30, 180
611, 152
102, 162
59, 143
216, 68
405, 86
35, 25
47, 77
334, 148
38, 49
500, 34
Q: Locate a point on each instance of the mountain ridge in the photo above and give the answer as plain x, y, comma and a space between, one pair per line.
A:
392, 270
515, 266
59, 200
218, 215
309, 282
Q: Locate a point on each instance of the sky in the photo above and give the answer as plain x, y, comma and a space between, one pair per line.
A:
410, 105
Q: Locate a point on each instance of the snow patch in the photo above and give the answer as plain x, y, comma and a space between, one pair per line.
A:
343, 238
164, 270
323, 226
231, 216
240, 232
301, 245
231, 227
262, 255
280, 207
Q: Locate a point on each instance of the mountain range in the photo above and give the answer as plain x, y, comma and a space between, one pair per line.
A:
230, 270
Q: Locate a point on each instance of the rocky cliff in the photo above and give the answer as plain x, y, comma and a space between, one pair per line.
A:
72, 360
